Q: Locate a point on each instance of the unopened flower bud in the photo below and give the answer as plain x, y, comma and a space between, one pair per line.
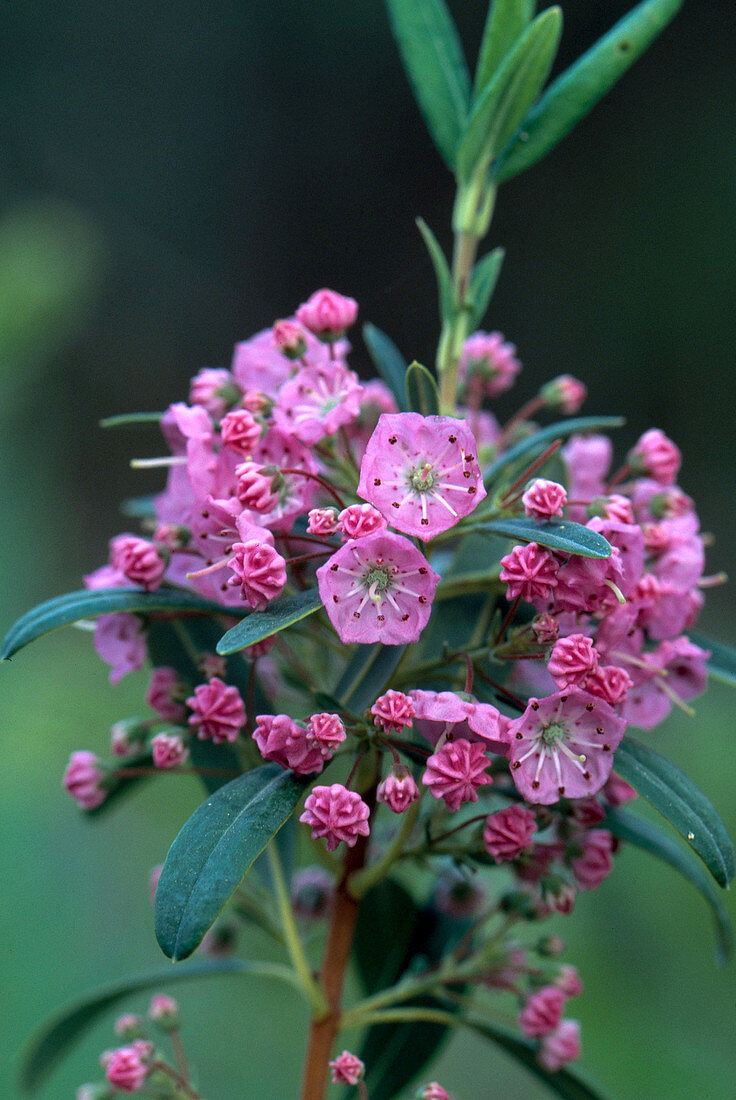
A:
288, 338
432, 1091
564, 393
129, 1027
549, 947
127, 737
398, 790
241, 432
322, 521
83, 778
164, 1011
347, 1069
327, 314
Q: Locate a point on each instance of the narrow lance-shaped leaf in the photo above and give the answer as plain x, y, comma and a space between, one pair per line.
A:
562, 535
127, 420
388, 361
441, 270
509, 94
54, 1040
482, 285
421, 390
213, 851
366, 674
433, 59
535, 444
722, 660
261, 624
505, 21
678, 799
573, 94
89, 603
637, 831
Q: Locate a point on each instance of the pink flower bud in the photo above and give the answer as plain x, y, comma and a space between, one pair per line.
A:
595, 862
617, 791
255, 401
280, 739
488, 364
217, 711
259, 570
164, 1011
127, 737
260, 649
359, 520
255, 488
139, 560
393, 711
544, 499
327, 314
288, 338
169, 750
530, 571
322, 521
546, 629
127, 1068
542, 1012
165, 692
609, 682
82, 779
336, 814
656, 456
398, 790
508, 832
129, 1026
560, 1046
215, 389
572, 660
347, 1069
568, 980
564, 393
456, 771
433, 1091
241, 432
325, 732
211, 665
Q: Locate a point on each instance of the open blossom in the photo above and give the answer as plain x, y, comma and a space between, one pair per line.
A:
327, 314
542, 1011
259, 572
393, 711
456, 771
421, 472
445, 713
217, 711
656, 456
508, 832
279, 738
347, 1069
544, 499
241, 432
169, 750
378, 589
359, 520
139, 560
317, 401
572, 660
336, 814
530, 571
561, 1046
398, 790
562, 746
82, 779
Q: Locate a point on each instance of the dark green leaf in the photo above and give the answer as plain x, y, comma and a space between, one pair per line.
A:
722, 660
482, 286
367, 674
508, 95
441, 270
53, 1041
388, 915
505, 21
433, 59
261, 624
388, 361
63, 610
213, 851
573, 94
562, 534
124, 420
678, 799
563, 1082
636, 830
421, 390
529, 448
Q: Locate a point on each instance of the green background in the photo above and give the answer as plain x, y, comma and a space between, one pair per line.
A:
176, 177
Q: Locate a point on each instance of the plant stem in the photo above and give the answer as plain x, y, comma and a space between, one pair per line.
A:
455, 327
291, 934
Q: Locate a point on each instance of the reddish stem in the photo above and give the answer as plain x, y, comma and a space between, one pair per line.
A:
507, 499
523, 414
320, 481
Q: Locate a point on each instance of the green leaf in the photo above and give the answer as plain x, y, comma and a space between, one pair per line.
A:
63, 610
482, 285
213, 851
529, 448
505, 22
388, 361
573, 94
441, 270
561, 534
53, 1041
261, 624
722, 660
508, 95
367, 674
637, 831
678, 799
388, 915
421, 390
125, 420
433, 59
563, 1082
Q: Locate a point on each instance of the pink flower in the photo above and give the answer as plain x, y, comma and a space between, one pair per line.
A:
509, 831
164, 693
433, 1091
456, 771
164, 1011
588, 459
614, 507
317, 401
359, 520
255, 487
288, 338
488, 363
259, 570
325, 732
139, 560
282, 740
241, 432
129, 1026
588, 584
544, 499
322, 521
609, 682
336, 814
530, 571
217, 711
421, 472
572, 660
378, 589
153, 876
327, 314
617, 792
542, 1012
283, 451
562, 746
568, 980
545, 628
393, 711
561, 1046
215, 389
656, 456
127, 737
595, 863
565, 393
444, 713
169, 750
82, 779
127, 1067
398, 790
347, 1069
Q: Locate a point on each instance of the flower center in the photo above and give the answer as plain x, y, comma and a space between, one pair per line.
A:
422, 478
377, 581
553, 733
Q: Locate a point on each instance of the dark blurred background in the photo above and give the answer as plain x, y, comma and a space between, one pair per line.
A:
176, 177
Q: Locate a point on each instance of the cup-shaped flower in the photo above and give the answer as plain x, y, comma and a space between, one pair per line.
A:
378, 589
317, 401
421, 472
